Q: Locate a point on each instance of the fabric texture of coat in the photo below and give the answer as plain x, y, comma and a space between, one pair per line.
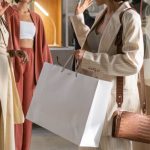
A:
106, 64
10, 107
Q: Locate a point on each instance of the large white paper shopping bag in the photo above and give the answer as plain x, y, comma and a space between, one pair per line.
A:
73, 107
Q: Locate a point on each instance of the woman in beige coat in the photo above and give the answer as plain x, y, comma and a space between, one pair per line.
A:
10, 107
99, 59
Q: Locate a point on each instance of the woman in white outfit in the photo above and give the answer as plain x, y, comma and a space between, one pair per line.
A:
10, 107
99, 58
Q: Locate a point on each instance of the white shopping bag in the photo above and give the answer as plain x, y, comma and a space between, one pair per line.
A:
73, 107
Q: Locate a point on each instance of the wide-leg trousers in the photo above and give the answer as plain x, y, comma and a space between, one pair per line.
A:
25, 85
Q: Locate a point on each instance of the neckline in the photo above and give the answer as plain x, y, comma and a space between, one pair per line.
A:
26, 21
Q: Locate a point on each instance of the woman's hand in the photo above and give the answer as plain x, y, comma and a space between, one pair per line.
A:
81, 7
12, 53
79, 54
23, 55
3, 6
19, 53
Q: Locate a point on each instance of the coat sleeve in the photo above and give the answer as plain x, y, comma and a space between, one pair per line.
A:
81, 30
124, 64
46, 54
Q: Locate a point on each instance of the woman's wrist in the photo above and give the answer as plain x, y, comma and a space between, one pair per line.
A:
12, 53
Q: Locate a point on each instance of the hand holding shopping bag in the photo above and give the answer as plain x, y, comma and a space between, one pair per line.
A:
73, 107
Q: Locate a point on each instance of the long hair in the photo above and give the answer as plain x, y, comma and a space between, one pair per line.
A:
121, 0
16, 1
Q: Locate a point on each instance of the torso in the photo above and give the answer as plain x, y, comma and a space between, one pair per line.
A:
103, 23
93, 46
26, 43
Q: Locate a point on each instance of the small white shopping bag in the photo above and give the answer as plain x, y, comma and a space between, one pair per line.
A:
73, 107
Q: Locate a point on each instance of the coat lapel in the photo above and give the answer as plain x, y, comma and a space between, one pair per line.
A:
109, 33
33, 17
98, 18
112, 27
100, 15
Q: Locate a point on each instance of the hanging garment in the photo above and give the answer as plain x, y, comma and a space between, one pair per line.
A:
10, 106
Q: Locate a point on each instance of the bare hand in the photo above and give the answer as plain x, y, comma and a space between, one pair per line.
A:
23, 55
12, 53
19, 53
3, 6
79, 54
81, 7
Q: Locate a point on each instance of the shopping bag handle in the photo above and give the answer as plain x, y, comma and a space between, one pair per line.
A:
68, 60
60, 64
66, 63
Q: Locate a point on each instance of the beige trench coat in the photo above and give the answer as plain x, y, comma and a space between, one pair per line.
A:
10, 107
105, 64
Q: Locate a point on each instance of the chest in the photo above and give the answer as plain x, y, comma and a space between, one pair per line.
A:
25, 17
102, 23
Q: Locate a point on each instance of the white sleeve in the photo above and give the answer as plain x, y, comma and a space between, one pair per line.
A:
124, 64
81, 30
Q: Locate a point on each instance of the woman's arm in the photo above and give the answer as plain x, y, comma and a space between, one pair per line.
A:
43, 46
19, 53
81, 30
124, 64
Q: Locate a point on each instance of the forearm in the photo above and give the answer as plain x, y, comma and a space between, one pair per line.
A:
116, 65
81, 30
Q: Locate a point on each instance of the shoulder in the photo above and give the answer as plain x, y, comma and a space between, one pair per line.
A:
37, 16
131, 15
10, 10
